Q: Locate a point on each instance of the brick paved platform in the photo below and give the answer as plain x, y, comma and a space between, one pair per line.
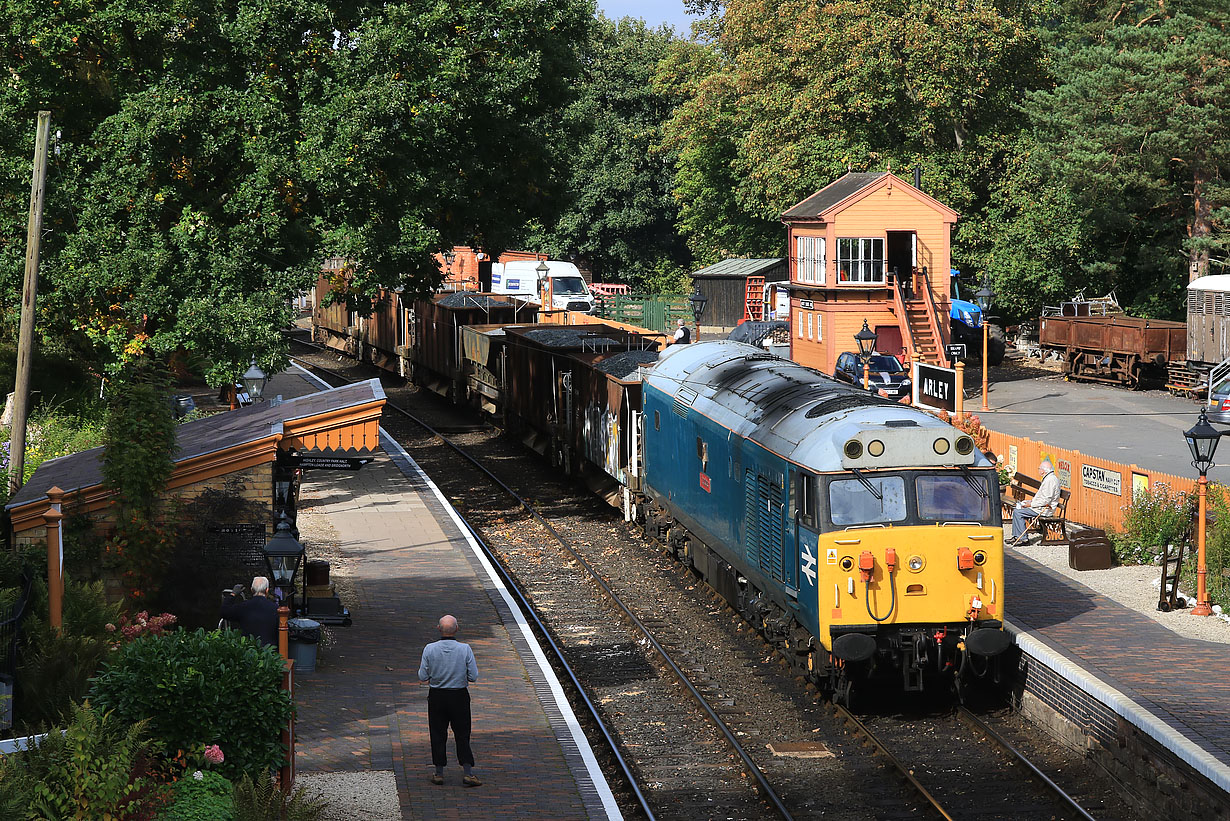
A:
1111, 660
364, 709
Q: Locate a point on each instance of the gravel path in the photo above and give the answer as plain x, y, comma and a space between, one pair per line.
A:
1134, 586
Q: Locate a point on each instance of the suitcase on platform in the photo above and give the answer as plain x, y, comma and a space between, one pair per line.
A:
1089, 550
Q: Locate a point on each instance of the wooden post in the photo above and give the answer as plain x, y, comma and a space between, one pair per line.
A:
284, 632
55, 558
959, 407
1202, 608
866, 373
29, 292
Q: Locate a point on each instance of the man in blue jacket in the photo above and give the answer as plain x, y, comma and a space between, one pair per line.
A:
448, 667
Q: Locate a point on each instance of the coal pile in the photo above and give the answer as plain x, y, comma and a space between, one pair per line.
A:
622, 365
573, 337
486, 303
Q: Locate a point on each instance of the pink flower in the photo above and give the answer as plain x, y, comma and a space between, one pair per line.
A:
110, 627
213, 754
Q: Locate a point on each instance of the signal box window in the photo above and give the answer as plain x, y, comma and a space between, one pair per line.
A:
872, 500
809, 262
860, 261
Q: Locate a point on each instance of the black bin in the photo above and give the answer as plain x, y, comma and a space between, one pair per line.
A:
304, 637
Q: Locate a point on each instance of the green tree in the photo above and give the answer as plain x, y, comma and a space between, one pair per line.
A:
211, 154
796, 93
1139, 132
620, 215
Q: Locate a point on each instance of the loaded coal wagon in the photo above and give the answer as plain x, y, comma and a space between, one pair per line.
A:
436, 344
573, 392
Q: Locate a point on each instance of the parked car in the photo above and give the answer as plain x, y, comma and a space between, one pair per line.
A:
888, 376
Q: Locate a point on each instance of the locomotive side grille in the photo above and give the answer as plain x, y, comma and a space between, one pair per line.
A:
751, 521
769, 514
683, 400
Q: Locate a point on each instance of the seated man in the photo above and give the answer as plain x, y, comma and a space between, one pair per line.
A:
1043, 503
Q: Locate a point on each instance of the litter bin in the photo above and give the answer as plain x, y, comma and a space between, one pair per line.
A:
304, 637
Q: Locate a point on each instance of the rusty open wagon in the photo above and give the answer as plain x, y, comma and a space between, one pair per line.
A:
1116, 348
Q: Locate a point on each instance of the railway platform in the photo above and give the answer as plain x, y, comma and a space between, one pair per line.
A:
363, 710
1126, 682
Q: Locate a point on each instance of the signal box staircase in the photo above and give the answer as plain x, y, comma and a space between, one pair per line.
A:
926, 330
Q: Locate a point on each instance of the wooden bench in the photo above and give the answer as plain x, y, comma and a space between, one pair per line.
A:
1054, 528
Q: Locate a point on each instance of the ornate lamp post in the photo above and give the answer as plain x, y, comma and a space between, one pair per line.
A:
283, 554
1202, 439
254, 381
449, 256
544, 283
698, 301
866, 339
983, 300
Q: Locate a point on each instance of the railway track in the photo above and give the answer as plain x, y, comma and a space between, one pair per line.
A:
762, 746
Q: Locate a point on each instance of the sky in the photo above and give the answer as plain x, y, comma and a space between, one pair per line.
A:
654, 12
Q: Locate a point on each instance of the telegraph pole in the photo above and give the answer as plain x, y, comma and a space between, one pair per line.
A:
25, 343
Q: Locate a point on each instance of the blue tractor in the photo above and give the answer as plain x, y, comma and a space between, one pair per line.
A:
965, 322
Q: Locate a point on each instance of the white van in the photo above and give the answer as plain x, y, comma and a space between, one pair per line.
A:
520, 278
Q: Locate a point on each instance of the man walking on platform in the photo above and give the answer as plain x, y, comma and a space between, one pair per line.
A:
448, 667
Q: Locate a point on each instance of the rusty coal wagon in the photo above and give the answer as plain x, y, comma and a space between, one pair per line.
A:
436, 342
1116, 348
573, 392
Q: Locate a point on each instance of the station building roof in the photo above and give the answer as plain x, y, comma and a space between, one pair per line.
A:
339, 419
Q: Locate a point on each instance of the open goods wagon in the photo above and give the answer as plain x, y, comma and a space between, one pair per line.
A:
436, 342
1115, 348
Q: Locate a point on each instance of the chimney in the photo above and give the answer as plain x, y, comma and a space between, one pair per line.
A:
918, 177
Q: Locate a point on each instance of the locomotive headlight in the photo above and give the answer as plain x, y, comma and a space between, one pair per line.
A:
847, 563
875, 448
853, 449
941, 446
965, 445
980, 557
915, 563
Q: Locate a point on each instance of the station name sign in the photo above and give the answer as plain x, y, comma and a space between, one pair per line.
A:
935, 387
320, 461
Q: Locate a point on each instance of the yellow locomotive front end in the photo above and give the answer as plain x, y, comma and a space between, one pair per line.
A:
911, 570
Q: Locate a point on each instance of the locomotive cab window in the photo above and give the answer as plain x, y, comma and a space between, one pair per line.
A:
952, 498
867, 500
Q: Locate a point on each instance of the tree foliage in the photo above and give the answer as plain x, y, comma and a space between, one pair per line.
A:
212, 154
620, 214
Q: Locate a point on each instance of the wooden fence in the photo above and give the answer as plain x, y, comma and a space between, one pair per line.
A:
1100, 488
658, 313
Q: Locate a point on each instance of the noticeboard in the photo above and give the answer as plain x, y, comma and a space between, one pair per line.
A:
935, 387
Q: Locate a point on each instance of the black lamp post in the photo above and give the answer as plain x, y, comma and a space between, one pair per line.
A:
254, 381
1202, 439
544, 283
283, 555
866, 339
698, 302
983, 300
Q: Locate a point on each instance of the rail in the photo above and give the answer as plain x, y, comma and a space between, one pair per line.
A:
766, 789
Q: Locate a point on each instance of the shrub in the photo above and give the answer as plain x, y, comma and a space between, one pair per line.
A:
262, 800
201, 796
1217, 550
1153, 519
96, 769
202, 688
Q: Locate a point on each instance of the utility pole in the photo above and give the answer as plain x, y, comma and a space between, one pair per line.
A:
25, 343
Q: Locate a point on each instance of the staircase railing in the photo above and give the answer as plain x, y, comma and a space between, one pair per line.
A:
903, 316
1217, 374
938, 329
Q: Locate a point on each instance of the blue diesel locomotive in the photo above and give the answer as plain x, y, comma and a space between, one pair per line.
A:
862, 536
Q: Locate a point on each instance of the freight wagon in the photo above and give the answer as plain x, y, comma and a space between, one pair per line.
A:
1115, 348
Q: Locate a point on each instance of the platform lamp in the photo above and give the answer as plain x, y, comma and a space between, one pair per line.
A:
253, 380
544, 283
698, 302
866, 339
283, 555
1202, 439
449, 256
983, 300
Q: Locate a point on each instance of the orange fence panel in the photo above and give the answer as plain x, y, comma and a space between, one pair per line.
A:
1100, 488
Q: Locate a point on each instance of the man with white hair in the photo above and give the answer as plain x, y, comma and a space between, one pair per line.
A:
258, 616
448, 667
683, 334
1043, 503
